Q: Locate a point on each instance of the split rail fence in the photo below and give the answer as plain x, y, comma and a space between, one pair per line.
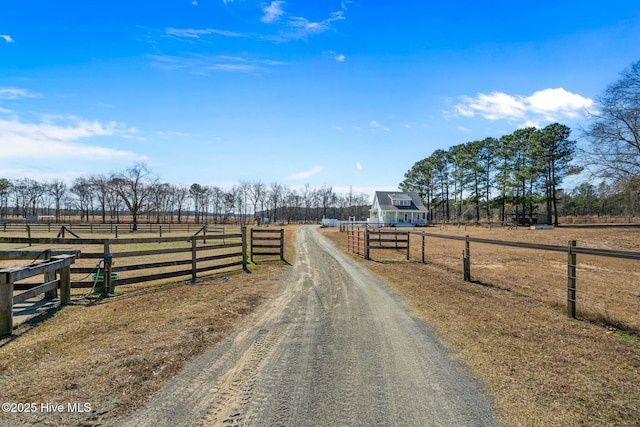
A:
605, 293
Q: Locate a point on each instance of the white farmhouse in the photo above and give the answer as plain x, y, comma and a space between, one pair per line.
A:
397, 209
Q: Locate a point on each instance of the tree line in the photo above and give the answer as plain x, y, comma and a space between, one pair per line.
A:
517, 177
138, 195
517, 171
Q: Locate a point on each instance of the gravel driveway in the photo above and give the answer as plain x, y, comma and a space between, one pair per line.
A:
334, 347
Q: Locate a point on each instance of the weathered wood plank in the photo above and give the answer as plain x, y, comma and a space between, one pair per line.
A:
35, 291
11, 275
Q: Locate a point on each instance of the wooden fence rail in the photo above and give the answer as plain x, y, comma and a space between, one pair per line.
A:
79, 229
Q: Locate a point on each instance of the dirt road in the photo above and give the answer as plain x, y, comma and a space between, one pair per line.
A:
334, 347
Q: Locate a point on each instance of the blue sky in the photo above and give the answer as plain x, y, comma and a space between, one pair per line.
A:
344, 93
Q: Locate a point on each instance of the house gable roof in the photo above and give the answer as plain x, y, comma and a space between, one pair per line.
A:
385, 201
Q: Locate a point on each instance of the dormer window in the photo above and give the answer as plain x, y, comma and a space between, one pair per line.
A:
400, 200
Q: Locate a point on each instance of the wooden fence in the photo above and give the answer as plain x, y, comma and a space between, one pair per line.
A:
80, 229
181, 256
571, 250
51, 266
621, 306
267, 243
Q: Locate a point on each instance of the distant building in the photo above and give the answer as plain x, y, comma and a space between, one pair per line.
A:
397, 209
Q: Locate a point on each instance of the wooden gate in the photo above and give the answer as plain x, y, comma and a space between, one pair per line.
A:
267, 243
361, 241
356, 240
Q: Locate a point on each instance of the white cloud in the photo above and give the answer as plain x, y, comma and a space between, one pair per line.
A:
56, 137
463, 129
272, 12
305, 174
7, 38
548, 104
375, 124
359, 166
340, 58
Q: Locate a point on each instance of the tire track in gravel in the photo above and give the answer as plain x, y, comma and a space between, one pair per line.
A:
334, 347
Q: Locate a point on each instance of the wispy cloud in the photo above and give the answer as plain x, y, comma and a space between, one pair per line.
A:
207, 64
359, 166
374, 124
7, 38
305, 174
13, 93
302, 27
171, 134
463, 129
198, 33
340, 58
60, 137
547, 105
273, 12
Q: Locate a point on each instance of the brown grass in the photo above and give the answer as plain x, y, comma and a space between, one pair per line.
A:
116, 352
541, 367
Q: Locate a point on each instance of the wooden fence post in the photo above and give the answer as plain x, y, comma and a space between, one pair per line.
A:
408, 244
29, 233
366, 243
106, 275
282, 244
65, 285
6, 308
244, 248
50, 276
571, 280
194, 263
251, 245
423, 248
466, 260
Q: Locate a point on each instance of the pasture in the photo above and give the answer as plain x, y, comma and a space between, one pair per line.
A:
114, 352
541, 367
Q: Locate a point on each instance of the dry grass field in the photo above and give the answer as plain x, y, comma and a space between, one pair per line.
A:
541, 367
115, 352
